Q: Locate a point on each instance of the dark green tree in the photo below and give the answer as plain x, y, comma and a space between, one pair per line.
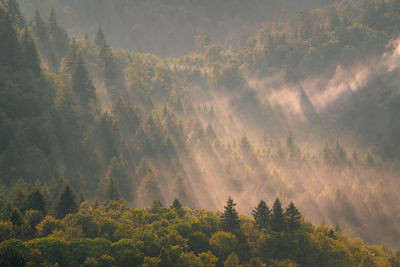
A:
40, 28
277, 218
82, 86
67, 63
100, 39
35, 201
230, 218
112, 192
30, 54
261, 215
293, 218
118, 172
15, 13
9, 46
176, 204
66, 203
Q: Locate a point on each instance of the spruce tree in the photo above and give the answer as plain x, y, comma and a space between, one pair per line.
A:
35, 201
40, 28
66, 203
176, 204
31, 57
293, 218
82, 86
261, 215
277, 219
15, 13
112, 192
9, 46
67, 63
119, 173
100, 38
230, 218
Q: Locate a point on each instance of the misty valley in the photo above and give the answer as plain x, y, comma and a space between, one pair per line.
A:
200, 133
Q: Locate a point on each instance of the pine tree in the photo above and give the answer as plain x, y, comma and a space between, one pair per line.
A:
10, 50
112, 192
35, 201
40, 28
67, 63
100, 38
176, 204
66, 203
230, 218
31, 57
118, 172
262, 215
15, 13
277, 219
293, 218
82, 86
108, 70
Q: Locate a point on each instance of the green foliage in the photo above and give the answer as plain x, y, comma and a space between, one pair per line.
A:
261, 215
230, 218
66, 203
277, 218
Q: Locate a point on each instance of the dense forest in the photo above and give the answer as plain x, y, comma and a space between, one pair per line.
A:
97, 141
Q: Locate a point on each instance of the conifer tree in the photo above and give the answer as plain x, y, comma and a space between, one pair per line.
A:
112, 192
277, 219
15, 13
67, 63
106, 65
40, 28
118, 172
31, 57
82, 86
176, 204
100, 38
230, 218
35, 201
9, 46
293, 218
66, 203
261, 215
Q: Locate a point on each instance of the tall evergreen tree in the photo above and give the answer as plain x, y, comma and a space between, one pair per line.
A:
15, 13
277, 219
66, 203
82, 86
35, 201
67, 63
230, 218
261, 215
31, 57
100, 38
118, 172
9, 46
40, 28
293, 218
108, 69
176, 204
112, 192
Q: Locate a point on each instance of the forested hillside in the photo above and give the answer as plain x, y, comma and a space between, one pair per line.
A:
304, 110
168, 28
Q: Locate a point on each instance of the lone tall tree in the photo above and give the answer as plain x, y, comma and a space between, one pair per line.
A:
277, 219
100, 38
230, 218
261, 215
66, 203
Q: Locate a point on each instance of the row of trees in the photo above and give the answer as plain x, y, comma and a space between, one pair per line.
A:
116, 235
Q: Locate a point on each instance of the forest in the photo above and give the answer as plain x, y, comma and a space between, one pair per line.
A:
261, 133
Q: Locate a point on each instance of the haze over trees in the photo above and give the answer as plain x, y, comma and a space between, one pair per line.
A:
96, 141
